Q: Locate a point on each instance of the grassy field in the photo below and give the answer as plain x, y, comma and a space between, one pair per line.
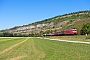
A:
42, 49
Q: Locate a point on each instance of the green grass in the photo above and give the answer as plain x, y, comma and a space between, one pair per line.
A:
1, 39
7, 42
42, 49
75, 38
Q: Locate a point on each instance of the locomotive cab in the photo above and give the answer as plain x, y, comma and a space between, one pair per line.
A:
74, 31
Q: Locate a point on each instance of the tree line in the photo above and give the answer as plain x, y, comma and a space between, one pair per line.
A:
6, 34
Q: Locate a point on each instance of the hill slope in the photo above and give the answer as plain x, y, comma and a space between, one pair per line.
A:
70, 20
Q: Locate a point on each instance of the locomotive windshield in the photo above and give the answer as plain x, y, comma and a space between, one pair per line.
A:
74, 30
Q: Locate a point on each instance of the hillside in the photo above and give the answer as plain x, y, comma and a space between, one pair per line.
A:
71, 20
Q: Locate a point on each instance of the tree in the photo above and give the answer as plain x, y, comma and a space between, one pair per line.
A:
85, 29
6, 34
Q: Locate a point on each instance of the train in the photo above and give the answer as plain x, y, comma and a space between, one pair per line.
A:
71, 31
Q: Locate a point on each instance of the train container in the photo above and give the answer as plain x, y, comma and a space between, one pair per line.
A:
62, 32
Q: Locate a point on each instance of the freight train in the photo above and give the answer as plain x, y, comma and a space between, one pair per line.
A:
63, 32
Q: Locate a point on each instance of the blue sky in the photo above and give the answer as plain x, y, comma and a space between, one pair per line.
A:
22, 12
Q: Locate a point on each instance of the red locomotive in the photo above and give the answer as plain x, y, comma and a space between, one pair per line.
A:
63, 32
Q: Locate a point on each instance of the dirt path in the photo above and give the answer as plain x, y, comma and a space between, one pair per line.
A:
11, 47
66, 40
